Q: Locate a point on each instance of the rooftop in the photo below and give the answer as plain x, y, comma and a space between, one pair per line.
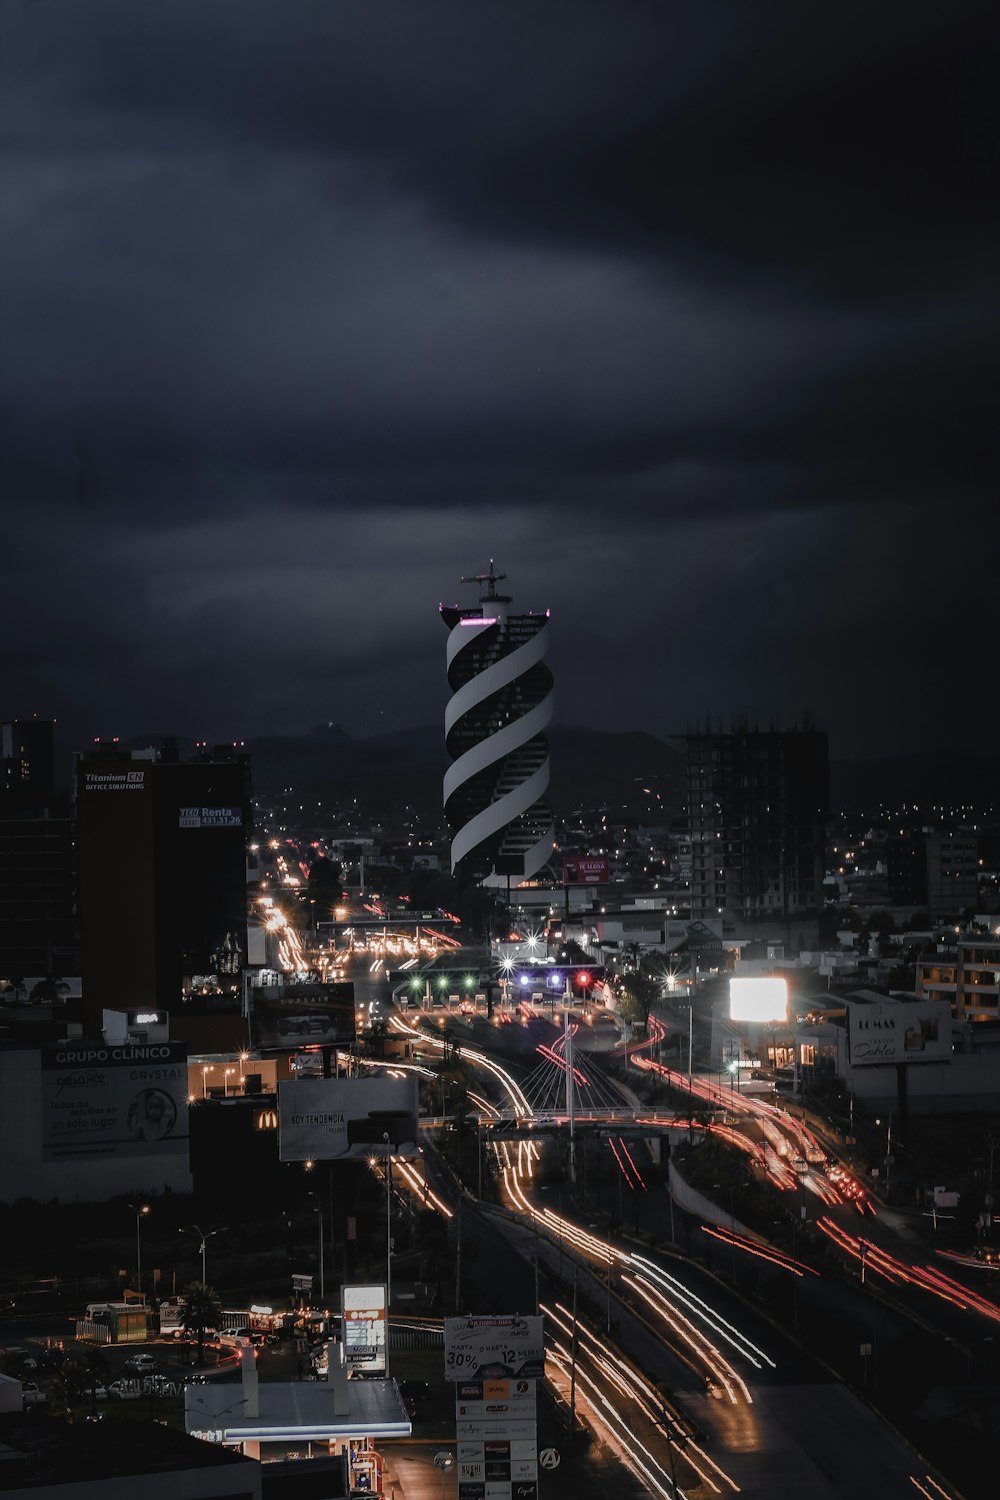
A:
36, 1451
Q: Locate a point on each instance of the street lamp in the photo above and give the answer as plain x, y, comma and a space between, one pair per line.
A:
204, 1237
206, 1068
225, 1080
388, 1239
138, 1209
318, 1211
443, 1461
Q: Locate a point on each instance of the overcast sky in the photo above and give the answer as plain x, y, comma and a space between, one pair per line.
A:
686, 314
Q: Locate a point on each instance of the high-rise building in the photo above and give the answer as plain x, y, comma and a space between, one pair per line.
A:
27, 781
495, 722
758, 804
162, 847
906, 860
38, 938
952, 871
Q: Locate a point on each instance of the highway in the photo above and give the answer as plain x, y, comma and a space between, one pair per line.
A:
769, 1415
747, 1407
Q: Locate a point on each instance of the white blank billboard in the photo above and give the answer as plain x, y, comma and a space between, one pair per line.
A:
323, 1119
758, 999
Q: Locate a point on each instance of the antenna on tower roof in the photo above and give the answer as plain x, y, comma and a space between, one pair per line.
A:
491, 579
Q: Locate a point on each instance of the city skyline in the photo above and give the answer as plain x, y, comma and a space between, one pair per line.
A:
689, 323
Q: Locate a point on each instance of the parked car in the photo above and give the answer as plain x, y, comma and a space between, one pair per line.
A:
31, 1395
143, 1364
235, 1338
124, 1390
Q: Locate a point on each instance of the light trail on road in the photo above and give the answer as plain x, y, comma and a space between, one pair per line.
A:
631, 1383
473, 1055
761, 1249
687, 1316
421, 1187
608, 1420
875, 1261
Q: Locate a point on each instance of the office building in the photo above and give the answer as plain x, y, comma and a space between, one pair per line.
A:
906, 860
952, 872
758, 804
27, 778
162, 849
495, 722
965, 977
38, 936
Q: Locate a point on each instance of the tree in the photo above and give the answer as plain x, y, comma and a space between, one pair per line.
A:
69, 1385
639, 991
98, 1371
202, 1309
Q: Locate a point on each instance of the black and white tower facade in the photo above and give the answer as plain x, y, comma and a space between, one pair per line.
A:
500, 707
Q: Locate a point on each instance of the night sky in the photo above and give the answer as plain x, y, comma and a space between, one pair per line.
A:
686, 314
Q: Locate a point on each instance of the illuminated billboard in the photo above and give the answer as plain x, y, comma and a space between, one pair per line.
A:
594, 870
494, 1348
899, 1032
758, 999
330, 1119
289, 1015
100, 1099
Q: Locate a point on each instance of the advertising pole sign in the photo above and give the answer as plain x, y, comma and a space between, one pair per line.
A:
364, 1342
100, 1099
493, 1348
495, 1364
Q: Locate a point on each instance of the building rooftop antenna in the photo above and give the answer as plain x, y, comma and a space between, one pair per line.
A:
491, 579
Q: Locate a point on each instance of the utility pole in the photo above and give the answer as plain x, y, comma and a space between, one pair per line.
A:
388, 1241
572, 1369
609, 1293
458, 1258
570, 1088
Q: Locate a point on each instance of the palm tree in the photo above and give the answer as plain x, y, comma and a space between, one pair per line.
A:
98, 1372
202, 1309
69, 1385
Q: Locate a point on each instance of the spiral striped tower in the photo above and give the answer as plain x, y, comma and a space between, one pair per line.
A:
501, 703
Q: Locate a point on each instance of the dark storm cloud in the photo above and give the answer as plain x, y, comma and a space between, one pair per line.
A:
307, 306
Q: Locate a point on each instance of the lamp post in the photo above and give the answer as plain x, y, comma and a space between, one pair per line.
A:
388, 1244
318, 1211
690, 1011
665, 1424
888, 1152
225, 1081
443, 1461
206, 1068
204, 1237
138, 1209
